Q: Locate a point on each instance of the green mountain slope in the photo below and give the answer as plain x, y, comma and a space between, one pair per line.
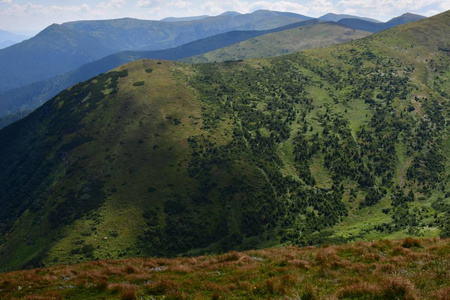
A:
348, 142
279, 43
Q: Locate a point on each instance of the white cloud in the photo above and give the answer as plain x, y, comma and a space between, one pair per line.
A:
33, 17
318, 8
389, 8
445, 5
33, 9
430, 13
315, 6
112, 4
148, 3
5, 1
280, 6
180, 4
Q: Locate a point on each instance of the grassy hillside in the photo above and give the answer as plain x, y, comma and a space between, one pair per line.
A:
279, 43
332, 145
405, 269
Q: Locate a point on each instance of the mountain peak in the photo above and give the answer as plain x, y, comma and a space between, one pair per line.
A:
408, 14
337, 17
406, 17
230, 13
184, 19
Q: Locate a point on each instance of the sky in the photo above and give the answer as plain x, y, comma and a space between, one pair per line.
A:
32, 16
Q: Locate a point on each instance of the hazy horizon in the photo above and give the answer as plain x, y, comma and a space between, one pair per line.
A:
30, 17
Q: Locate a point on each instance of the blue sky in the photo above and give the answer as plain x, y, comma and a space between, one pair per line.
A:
35, 15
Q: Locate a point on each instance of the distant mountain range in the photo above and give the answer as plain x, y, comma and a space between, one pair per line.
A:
62, 48
54, 59
184, 19
337, 17
8, 38
366, 25
287, 41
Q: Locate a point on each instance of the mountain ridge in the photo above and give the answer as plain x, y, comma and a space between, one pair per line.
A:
61, 48
281, 43
365, 25
182, 19
337, 17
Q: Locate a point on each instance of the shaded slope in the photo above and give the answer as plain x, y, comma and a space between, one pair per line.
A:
283, 42
63, 177
166, 158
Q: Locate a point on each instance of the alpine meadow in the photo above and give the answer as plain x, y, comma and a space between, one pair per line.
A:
137, 183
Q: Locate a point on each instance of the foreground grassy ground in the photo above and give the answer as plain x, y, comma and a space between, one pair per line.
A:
402, 269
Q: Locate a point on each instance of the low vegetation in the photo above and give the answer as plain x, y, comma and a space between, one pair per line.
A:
403, 269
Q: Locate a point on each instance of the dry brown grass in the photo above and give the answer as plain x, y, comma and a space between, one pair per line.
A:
161, 287
182, 269
404, 269
326, 257
411, 242
386, 269
309, 292
399, 288
298, 263
361, 290
400, 251
128, 292
442, 294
